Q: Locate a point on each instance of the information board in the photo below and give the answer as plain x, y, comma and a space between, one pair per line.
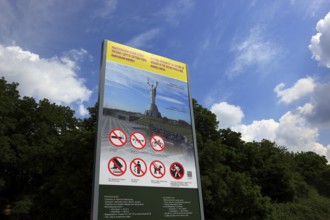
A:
146, 164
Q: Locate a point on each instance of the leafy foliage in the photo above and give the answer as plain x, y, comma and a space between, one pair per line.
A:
47, 154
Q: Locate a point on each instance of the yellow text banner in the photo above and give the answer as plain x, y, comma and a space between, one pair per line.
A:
143, 60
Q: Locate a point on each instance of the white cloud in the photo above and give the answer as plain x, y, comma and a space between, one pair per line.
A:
83, 111
54, 78
320, 43
254, 51
258, 130
299, 90
293, 130
176, 9
228, 115
143, 39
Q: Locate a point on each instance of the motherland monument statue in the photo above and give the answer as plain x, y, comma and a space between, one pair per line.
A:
152, 109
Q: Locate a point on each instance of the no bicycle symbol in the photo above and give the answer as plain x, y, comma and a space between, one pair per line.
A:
177, 170
117, 137
157, 169
138, 167
138, 140
157, 143
117, 166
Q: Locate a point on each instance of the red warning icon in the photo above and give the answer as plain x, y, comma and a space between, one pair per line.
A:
117, 137
138, 140
177, 170
157, 143
117, 166
157, 169
138, 167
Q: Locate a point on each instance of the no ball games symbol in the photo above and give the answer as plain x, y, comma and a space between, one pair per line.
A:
138, 167
157, 143
117, 166
117, 137
177, 170
138, 140
157, 169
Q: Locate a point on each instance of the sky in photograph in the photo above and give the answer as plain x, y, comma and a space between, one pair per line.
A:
262, 66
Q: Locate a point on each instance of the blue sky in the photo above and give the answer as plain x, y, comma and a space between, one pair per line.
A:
262, 66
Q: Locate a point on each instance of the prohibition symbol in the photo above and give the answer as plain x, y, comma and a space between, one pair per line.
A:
157, 143
138, 167
117, 137
138, 140
176, 170
157, 169
117, 166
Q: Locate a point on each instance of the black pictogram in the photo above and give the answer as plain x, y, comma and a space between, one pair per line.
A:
177, 170
117, 137
117, 166
138, 140
157, 143
157, 169
138, 167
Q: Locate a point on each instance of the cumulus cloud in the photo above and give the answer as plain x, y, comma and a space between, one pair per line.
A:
228, 115
54, 78
320, 42
299, 90
258, 130
254, 51
293, 130
143, 39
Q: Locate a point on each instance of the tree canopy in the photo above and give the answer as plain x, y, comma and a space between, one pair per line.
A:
46, 167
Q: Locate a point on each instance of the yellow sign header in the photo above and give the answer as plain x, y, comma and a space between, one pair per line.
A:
143, 60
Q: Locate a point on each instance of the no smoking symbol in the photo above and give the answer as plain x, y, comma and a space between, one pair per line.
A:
138, 140
117, 166
157, 143
157, 169
138, 167
177, 170
117, 137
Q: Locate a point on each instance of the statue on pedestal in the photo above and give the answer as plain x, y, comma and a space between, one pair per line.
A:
153, 109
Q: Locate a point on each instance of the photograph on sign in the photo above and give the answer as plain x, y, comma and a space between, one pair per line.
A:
153, 111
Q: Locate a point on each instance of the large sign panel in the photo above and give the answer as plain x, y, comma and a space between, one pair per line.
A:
146, 158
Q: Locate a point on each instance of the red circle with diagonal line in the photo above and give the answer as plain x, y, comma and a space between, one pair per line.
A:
177, 170
138, 140
117, 137
157, 169
117, 166
138, 167
157, 143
